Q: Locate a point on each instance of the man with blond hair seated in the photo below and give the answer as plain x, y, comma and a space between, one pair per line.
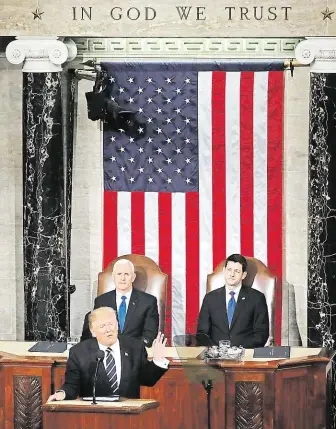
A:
137, 311
125, 366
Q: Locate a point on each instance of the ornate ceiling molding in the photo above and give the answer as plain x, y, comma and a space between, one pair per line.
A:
186, 47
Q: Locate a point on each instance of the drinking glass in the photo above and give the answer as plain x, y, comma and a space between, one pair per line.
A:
224, 344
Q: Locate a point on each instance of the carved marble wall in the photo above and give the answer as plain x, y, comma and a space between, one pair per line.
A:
44, 237
322, 208
11, 254
86, 234
295, 203
46, 173
86, 257
87, 217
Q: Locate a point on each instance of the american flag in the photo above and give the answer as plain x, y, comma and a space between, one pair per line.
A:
204, 178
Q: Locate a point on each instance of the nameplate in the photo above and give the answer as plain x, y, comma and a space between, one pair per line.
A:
272, 352
48, 347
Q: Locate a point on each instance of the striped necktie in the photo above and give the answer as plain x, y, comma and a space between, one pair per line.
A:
111, 370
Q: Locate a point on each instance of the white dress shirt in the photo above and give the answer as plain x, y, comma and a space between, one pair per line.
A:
236, 290
116, 354
118, 298
117, 358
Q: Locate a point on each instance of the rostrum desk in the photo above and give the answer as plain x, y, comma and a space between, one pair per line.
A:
126, 414
274, 394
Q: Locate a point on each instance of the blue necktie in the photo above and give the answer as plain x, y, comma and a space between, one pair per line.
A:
231, 307
122, 313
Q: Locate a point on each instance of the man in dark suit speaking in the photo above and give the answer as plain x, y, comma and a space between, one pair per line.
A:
124, 367
137, 311
235, 312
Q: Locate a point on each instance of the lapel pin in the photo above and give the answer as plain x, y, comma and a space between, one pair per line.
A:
133, 302
126, 354
243, 297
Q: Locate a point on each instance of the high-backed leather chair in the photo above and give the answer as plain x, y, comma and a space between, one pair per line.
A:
258, 277
149, 278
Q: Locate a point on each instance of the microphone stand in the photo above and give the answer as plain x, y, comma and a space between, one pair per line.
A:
207, 387
190, 340
94, 402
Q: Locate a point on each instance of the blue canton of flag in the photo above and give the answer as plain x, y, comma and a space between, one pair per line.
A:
165, 158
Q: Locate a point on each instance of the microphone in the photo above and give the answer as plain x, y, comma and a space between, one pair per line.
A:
99, 357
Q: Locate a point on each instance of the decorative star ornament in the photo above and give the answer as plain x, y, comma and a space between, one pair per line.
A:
327, 13
37, 14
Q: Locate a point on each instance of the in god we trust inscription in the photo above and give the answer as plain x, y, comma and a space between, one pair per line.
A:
188, 13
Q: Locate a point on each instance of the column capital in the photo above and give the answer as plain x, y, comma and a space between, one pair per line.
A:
40, 54
319, 52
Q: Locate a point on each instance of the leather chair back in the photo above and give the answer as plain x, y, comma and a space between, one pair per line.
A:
149, 278
258, 277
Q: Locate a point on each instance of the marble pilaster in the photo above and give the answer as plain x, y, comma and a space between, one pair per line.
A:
70, 97
320, 54
45, 168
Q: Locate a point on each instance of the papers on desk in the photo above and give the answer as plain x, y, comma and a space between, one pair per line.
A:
48, 347
102, 398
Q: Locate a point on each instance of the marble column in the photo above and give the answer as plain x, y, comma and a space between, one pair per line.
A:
69, 105
320, 54
44, 189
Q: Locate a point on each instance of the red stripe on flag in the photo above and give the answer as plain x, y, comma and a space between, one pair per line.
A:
138, 222
110, 227
274, 188
192, 261
218, 168
165, 252
246, 164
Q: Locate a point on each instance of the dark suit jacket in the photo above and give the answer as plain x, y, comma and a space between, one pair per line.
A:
250, 325
136, 370
142, 317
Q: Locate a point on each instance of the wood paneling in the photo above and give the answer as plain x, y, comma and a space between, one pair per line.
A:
301, 397
249, 405
26, 384
27, 402
73, 420
58, 373
294, 388
249, 399
258, 395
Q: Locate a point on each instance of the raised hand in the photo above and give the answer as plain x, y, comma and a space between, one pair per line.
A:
159, 347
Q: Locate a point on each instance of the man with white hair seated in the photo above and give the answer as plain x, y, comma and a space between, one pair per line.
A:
137, 311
